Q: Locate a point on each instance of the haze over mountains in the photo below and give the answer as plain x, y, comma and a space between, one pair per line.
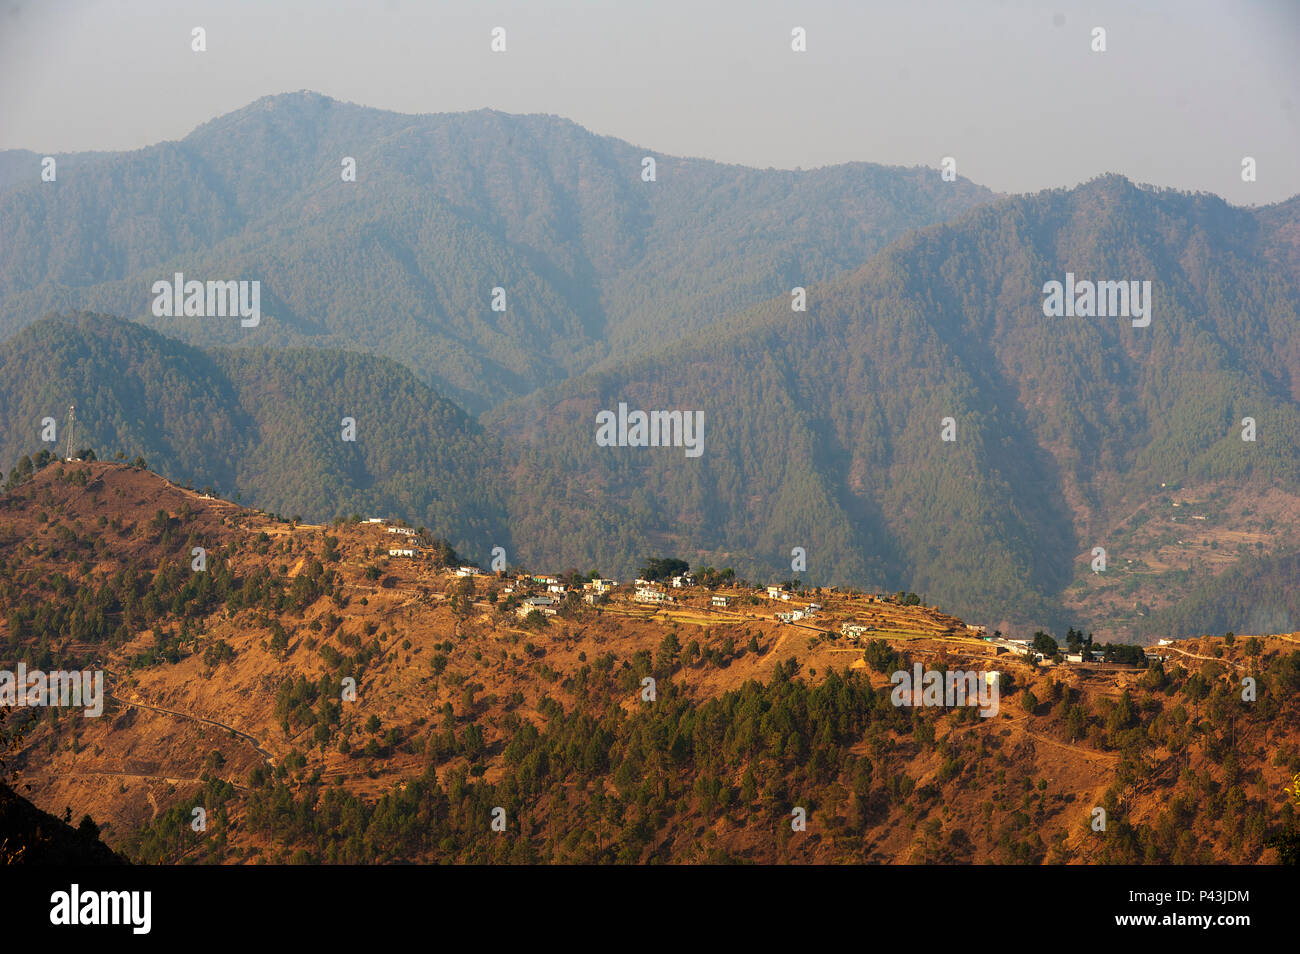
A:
402, 262
823, 429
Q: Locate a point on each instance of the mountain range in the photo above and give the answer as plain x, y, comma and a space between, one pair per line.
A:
595, 262
824, 429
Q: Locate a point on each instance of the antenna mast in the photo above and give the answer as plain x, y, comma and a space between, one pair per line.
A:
72, 426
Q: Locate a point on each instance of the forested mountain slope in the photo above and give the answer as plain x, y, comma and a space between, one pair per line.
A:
824, 430
595, 262
266, 425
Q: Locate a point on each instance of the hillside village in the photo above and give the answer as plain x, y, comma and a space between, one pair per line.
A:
224, 690
832, 613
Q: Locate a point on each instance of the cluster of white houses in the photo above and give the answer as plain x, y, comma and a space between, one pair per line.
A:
407, 543
644, 591
1023, 647
794, 616
547, 605
647, 591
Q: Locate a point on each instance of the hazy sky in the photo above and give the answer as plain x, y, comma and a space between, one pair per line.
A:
1010, 89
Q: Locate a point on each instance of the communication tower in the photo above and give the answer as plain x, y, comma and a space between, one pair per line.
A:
72, 424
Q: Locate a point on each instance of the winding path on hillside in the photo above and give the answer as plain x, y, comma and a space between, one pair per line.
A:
266, 756
1023, 723
168, 779
1076, 838
775, 646
1183, 652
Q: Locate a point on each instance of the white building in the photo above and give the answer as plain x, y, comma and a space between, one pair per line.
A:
1018, 646
401, 551
404, 531
543, 604
647, 594
720, 601
468, 571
